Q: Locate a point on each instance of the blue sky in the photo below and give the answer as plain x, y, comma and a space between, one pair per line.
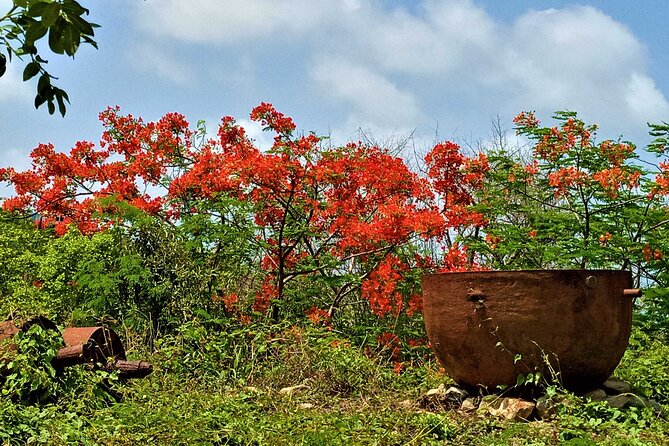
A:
429, 68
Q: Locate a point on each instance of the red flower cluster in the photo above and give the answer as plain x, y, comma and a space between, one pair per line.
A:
348, 203
380, 289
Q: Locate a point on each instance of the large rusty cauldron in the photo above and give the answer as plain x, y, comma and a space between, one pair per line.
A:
489, 327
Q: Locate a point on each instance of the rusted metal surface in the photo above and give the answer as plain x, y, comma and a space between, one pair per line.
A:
98, 346
104, 343
69, 356
132, 369
488, 327
8, 329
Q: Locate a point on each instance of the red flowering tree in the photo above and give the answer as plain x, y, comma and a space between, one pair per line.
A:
324, 222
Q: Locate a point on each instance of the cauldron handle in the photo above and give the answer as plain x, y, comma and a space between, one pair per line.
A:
632, 292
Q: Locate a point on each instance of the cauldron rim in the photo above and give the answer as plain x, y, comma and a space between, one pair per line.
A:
538, 270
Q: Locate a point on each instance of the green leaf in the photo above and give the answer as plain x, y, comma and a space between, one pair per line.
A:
34, 32
50, 14
56, 37
39, 100
3, 64
71, 7
44, 86
31, 70
70, 41
37, 9
61, 97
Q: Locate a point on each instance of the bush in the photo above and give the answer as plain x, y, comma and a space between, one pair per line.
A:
646, 366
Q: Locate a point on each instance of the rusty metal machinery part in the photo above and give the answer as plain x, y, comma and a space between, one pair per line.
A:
104, 344
98, 346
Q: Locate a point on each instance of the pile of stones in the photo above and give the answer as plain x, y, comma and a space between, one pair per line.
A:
614, 392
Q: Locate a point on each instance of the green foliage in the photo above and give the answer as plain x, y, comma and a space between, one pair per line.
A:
21, 249
28, 22
558, 207
349, 398
29, 376
646, 366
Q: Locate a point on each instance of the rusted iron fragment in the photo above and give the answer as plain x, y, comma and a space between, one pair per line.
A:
104, 343
97, 346
132, 369
69, 356
102, 347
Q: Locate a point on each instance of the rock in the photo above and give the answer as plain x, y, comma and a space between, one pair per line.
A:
507, 408
614, 386
596, 395
457, 394
469, 405
546, 407
657, 407
290, 391
625, 400
439, 391
441, 397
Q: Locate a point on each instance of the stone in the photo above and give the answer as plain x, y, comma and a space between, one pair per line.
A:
457, 394
508, 408
657, 407
625, 400
546, 408
439, 391
290, 391
614, 386
469, 405
441, 397
596, 395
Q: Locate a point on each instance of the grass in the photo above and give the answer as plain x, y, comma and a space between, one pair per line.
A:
348, 398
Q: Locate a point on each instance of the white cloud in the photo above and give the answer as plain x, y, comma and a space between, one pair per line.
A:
645, 102
158, 61
445, 60
225, 21
372, 97
12, 86
577, 58
447, 36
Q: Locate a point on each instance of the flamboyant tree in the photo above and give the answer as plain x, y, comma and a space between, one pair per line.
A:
328, 220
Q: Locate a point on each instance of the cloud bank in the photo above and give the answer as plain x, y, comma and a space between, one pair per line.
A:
394, 67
